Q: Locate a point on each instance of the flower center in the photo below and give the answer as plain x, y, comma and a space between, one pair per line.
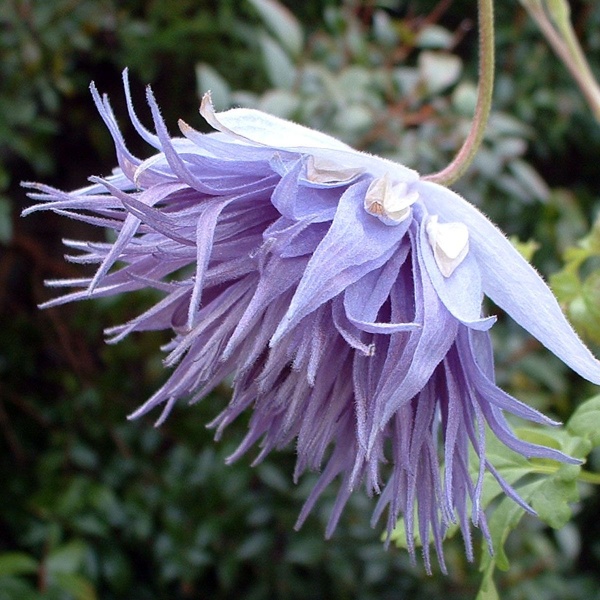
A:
389, 201
450, 243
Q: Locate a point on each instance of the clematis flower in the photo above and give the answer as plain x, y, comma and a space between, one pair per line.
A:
340, 292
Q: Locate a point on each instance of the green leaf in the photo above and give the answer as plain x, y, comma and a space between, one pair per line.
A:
12, 588
566, 285
592, 242
439, 70
585, 421
539, 436
77, 585
526, 249
551, 500
398, 535
354, 119
530, 179
503, 520
464, 98
591, 294
281, 103
66, 559
280, 69
17, 563
561, 439
487, 590
282, 24
434, 36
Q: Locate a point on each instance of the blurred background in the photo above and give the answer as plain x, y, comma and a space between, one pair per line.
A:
93, 506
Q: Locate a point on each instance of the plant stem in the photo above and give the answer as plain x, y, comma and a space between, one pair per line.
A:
589, 477
466, 154
585, 476
567, 48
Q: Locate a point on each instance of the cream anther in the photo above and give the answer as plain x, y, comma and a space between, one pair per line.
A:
450, 244
389, 201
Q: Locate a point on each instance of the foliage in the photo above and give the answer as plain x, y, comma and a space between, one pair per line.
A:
577, 285
96, 507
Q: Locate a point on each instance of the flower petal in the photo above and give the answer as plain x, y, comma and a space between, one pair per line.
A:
512, 283
355, 244
461, 291
254, 126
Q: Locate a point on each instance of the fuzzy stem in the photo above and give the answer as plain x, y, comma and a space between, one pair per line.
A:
456, 169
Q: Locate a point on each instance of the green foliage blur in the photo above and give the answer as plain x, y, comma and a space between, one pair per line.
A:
94, 506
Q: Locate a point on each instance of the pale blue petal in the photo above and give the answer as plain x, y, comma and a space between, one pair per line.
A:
461, 292
364, 299
511, 282
356, 244
263, 129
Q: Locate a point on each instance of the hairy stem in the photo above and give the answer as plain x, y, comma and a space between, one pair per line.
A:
456, 169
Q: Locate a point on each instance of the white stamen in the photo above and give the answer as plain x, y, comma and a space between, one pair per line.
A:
389, 201
323, 170
450, 243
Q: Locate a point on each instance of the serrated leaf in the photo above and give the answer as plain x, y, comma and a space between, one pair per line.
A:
585, 421
282, 24
551, 500
280, 69
17, 563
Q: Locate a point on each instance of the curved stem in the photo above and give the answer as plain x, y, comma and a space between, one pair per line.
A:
567, 48
466, 154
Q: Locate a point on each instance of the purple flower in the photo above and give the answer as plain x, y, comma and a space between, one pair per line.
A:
340, 291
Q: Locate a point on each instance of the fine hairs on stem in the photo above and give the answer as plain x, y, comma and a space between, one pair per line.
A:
456, 169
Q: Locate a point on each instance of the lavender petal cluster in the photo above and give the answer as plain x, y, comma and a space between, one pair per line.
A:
341, 295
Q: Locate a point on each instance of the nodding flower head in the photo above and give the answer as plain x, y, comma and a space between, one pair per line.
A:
342, 294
